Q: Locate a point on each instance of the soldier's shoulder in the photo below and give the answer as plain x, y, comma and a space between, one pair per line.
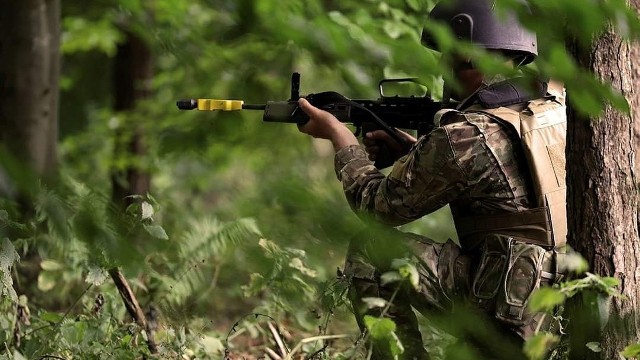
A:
455, 119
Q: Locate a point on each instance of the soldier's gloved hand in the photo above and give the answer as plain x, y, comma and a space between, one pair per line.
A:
372, 141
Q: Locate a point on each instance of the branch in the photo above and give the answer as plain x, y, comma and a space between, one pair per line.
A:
133, 307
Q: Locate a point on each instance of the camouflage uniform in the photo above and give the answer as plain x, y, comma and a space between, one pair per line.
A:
473, 163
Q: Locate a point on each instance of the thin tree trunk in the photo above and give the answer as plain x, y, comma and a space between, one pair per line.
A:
29, 72
132, 77
133, 74
602, 189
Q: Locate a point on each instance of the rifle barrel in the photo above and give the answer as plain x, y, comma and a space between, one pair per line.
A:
254, 106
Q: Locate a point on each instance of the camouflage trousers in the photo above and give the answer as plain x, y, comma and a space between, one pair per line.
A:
488, 288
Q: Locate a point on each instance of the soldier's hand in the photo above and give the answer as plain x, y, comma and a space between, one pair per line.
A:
373, 141
324, 125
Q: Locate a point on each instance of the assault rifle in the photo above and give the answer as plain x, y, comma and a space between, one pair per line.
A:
386, 113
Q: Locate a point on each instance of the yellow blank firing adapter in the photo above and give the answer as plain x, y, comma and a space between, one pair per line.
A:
224, 105
210, 104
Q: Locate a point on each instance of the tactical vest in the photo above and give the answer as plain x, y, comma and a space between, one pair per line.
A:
541, 127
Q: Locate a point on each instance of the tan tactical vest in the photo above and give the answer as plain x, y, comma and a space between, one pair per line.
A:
541, 126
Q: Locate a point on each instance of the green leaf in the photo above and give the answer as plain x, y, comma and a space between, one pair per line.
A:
619, 102
398, 263
545, 299
382, 330
156, 231
135, 6
74, 332
395, 345
537, 346
146, 211
126, 339
269, 246
297, 264
18, 356
51, 265
379, 328
564, 63
631, 351
47, 280
390, 277
393, 29
96, 275
409, 272
573, 262
585, 100
374, 302
610, 281
211, 344
80, 34
256, 284
604, 307
51, 317
594, 346
414, 5
405, 270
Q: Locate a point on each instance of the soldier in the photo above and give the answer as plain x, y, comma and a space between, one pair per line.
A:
497, 160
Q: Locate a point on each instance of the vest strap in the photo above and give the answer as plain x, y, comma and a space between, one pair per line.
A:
531, 226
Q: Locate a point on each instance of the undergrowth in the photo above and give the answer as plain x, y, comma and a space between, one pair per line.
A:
214, 290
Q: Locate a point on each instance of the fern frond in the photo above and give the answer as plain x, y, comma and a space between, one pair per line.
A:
201, 251
208, 238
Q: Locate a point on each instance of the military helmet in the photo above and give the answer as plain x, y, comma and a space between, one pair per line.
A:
477, 22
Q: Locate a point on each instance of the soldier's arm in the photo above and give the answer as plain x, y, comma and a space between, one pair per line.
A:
421, 182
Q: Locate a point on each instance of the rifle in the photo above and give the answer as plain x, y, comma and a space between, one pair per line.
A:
385, 113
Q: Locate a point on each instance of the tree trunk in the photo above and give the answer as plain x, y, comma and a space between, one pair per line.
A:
132, 77
635, 98
602, 191
29, 72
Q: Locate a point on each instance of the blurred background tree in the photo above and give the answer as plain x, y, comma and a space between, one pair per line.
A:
29, 70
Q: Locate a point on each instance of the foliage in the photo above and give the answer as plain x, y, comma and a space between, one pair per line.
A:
552, 300
8, 257
243, 217
382, 330
287, 285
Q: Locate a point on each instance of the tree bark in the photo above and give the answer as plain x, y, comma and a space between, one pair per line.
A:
635, 99
29, 73
132, 76
602, 190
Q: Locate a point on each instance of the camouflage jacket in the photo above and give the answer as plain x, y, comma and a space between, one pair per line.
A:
469, 161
